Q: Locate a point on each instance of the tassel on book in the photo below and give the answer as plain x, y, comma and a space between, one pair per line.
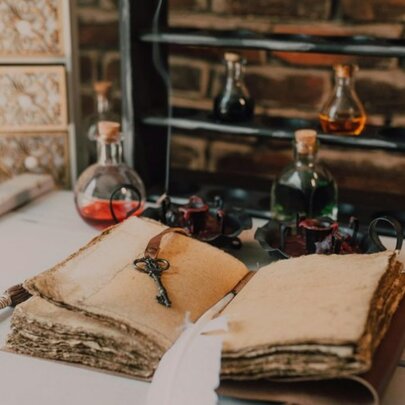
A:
13, 296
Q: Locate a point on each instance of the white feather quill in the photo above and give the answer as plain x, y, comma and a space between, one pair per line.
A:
188, 373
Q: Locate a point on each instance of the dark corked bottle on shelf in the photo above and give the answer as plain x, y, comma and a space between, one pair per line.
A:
109, 191
304, 188
233, 103
343, 112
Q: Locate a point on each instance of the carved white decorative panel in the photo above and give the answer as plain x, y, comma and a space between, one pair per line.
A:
32, 98
36, 153
31, 28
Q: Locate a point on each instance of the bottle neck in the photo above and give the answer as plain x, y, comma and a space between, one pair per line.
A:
103, 104
109, 153
342, 83
304, 156
234, 73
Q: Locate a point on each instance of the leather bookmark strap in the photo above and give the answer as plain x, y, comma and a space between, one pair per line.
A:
153, 247
238, 287
154, 266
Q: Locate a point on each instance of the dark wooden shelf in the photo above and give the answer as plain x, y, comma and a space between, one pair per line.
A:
346, 45
191, 120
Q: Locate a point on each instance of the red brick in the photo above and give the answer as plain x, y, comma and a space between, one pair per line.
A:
374, 10
87, 104
109, 5
112, 68
88, 67
189, 76
337, 29
188, 153
252, 56
333, 29
382, 93
185, 101
81, 3
117, 103
318, 60
309, 9
188, 4
187, 19
99, 35
184, 77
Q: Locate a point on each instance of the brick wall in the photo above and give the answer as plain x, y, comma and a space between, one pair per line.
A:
98, 38
288, 84
294, 81
296, 85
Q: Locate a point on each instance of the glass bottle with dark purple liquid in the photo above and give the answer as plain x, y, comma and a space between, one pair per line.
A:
233, 103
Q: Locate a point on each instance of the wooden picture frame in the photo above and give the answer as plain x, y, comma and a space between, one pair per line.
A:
33, 98
36, 152
32, 29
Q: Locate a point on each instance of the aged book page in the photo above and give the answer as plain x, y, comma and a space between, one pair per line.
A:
100, 280
42, 329
314, 315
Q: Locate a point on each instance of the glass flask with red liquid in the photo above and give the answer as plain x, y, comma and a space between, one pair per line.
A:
109, 191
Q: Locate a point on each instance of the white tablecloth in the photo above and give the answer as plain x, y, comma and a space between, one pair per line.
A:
35, 238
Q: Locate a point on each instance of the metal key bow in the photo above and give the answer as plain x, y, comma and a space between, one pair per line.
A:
154, 269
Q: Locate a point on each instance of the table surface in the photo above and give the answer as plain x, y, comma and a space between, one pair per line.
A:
35, 238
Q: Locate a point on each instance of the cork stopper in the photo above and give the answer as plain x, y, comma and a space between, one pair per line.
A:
102, 87
232, 57
109, 131
305, 140
345, 70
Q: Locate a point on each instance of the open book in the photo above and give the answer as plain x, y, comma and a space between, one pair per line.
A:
307, 318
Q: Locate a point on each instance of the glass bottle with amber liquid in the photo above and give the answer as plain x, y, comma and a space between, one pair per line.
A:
304, 188
233, 103
109, 191
343, 113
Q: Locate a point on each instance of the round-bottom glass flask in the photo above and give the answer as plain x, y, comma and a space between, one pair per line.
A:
109, 191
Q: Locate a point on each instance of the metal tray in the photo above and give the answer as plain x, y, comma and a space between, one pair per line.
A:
367, 240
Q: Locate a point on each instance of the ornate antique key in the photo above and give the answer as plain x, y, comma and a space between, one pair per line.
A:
154, 269
154, 266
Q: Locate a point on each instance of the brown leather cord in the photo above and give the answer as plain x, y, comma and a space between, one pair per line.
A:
152, 250
13, 296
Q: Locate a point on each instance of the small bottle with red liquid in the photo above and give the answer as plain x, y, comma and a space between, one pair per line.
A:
109, 191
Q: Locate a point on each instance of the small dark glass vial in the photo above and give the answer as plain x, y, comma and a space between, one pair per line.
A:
233, 103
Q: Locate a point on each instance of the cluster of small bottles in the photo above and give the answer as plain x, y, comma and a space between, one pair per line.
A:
342, 114
109, 191
304, 188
